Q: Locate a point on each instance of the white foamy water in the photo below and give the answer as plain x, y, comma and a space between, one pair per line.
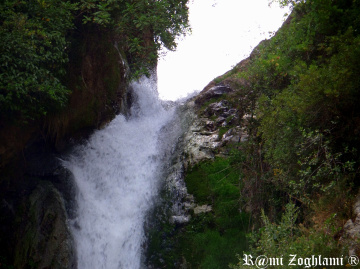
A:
117, 174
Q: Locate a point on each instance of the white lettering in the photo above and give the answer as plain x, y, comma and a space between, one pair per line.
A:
276, 261
325, 261
248, 260
292, 259
300, 261
307, 262
261, 261
314, 261
335, 261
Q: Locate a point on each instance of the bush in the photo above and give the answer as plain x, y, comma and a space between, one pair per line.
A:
34, 42
287, 238
211, 239
33, 57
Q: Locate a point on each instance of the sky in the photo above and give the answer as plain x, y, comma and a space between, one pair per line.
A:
224, 32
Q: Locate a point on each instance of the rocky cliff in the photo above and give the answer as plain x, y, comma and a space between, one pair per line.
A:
269, 146
202, 225
35, 192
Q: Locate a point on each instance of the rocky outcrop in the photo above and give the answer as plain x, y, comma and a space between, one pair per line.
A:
208, 129
43, 239
97, 81
202, 209
212, 128
34, 212
213, 92
33, 228
351, 234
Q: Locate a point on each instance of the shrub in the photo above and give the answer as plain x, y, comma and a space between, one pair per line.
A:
33, 57
287, 238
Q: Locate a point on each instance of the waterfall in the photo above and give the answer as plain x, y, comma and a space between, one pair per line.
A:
118, 173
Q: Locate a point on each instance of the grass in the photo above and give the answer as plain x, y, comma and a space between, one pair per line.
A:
210, 240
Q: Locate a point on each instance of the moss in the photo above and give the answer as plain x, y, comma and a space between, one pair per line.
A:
222, 131
212, 239
208, 102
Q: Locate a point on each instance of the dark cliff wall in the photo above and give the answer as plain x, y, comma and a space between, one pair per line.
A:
33, 219
96, 78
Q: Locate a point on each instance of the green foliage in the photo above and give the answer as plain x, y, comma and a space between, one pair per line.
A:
286, 238
303, 126
34, 42
149, 25
302, 85
211, 239
98, 12
218, 180
145, 26
33, 56
210, 249
273, 237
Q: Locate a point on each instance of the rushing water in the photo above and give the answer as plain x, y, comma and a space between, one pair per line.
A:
118, 174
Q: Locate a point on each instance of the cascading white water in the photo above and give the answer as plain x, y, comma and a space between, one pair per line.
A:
117, 174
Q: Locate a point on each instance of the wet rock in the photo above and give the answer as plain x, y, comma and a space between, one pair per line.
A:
179, 219
202, 209
200, 145
218, 109
43, 237
220, 121
247, 118
213, 92
209, 125
202, 140
351, 234
231, 135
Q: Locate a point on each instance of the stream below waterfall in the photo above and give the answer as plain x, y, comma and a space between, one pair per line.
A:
118, 173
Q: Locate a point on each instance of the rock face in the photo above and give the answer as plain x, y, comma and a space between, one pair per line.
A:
202, 209
213, 92
207, 132
43, 237
201, 141
33, 228
98, 84
351, 235
212, 128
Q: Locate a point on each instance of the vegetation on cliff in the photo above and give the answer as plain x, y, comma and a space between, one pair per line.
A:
297, 97
33, 56
64, 70
304, 86
37, 36
65, 65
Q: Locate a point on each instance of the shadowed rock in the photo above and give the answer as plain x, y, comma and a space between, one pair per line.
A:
43, 239
213, 92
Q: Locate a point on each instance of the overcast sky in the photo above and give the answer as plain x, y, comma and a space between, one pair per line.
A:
223, 33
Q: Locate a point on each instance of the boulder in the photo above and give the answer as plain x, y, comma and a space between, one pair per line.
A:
200, 144
213, 92
202, 209
351, 234
220, 109
43, 237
